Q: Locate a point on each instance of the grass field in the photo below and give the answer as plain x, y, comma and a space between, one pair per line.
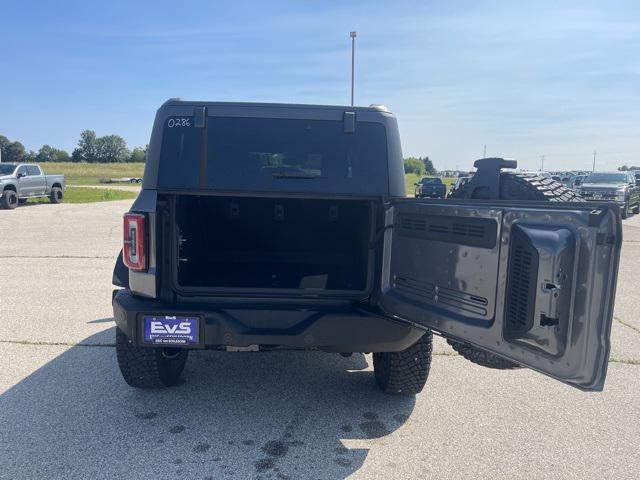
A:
91, 173
89, 195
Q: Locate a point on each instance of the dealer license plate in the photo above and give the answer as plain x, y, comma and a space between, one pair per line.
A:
171, 330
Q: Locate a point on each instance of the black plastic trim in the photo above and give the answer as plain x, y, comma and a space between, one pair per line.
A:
339, 328
475, 232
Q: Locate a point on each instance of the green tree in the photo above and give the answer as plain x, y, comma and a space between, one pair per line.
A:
413, 165
30, 156
49, 154
94, 149
11, 151
112, 149
428, 166
139, 154
87, 150
623, 168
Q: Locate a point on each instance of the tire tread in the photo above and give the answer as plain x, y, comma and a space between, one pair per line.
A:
5, 201
404, 372
482, 357
146, 367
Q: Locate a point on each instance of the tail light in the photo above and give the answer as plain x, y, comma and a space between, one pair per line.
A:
135, 241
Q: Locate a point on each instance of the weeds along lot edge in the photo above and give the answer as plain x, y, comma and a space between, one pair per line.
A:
90, 195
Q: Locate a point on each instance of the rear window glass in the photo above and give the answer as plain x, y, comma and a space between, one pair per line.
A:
266, 154
431, 181
180, 155
6, 168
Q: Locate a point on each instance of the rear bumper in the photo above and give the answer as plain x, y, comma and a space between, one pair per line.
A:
619, 202
587, 196
336, 329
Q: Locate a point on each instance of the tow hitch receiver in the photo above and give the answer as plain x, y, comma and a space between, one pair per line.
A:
248, 348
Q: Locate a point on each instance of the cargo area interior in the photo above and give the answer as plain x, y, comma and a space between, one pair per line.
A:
272, 243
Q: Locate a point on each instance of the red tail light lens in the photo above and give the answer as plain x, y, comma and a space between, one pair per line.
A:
135, 241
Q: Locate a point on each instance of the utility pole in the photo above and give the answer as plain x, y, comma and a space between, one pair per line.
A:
542, 163
484, 151
353, 60
594, 161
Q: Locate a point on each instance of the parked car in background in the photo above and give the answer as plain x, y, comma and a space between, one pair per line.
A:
21, 181
460, 181
567, 179
430, 187
614, 186
577, 180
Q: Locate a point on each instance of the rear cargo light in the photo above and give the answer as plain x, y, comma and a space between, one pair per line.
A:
135, 241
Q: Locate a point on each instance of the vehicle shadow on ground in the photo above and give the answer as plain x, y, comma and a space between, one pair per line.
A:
236, 415
28, 204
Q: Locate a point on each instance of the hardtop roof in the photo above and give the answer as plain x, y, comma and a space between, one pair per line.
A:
204, 103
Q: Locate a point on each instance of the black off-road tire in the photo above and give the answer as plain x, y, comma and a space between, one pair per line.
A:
513, 186
404, 372
149, 367
56, 195
9, 200
524, 186
482, 357
625, 210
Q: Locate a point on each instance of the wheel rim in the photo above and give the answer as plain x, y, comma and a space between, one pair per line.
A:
58, 195
13, 200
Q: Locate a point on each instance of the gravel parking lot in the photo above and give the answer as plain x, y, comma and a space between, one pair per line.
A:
65, 411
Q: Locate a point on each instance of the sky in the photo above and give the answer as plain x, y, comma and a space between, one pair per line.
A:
526, 79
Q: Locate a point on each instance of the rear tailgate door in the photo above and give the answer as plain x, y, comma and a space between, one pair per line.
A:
534, 283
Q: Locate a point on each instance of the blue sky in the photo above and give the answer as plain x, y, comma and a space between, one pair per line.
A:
559, 79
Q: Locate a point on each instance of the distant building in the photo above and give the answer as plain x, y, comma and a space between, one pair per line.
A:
454, 173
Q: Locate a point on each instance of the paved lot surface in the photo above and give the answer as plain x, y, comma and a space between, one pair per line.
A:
65, 412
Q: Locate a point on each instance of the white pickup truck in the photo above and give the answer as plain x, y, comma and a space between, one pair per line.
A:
21, 181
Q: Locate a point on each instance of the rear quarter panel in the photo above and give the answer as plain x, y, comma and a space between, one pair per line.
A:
54, 179
146, 283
